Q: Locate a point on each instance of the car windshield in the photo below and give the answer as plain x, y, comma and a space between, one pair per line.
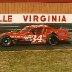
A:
37, 30
27, 28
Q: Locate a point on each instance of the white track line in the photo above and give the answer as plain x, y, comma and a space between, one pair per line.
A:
9, 26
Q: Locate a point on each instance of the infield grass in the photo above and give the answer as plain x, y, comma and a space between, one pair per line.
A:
36, 61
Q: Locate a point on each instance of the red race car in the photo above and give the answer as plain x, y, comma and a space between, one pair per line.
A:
34, 34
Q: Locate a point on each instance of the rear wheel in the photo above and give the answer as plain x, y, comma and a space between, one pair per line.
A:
52, 39
6, 41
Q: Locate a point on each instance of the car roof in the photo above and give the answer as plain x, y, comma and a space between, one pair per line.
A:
36, 26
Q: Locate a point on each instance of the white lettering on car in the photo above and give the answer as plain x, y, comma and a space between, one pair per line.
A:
37, 38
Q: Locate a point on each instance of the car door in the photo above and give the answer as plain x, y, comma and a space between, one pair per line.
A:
37, 35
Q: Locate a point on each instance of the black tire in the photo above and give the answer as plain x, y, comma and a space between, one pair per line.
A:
6, 41
52, 39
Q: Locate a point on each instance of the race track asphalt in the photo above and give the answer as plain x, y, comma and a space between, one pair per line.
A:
36, 47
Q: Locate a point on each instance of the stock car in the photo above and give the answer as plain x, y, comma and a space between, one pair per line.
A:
34, 34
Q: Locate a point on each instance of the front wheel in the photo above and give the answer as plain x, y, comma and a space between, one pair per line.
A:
6, 41
52, 39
